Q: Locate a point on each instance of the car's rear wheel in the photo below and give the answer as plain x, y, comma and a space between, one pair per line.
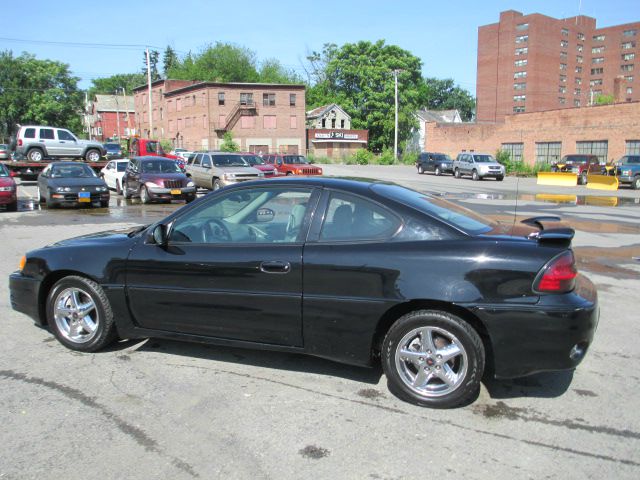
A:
215, 184
35, 155
79, 314
434, 359
144, 195
92, 155
474, 176
456, 173
420, 169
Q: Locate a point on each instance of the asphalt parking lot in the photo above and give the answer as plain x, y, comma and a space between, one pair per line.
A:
163, 409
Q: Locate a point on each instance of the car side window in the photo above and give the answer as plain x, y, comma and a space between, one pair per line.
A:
351, 218
64, 135
265, 215
206, 161
30, 133
197, 160
46, 133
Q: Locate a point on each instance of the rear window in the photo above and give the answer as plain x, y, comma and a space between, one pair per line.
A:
30, 133
454, 215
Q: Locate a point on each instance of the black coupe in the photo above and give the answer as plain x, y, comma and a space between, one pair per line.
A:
71, 183
350, 270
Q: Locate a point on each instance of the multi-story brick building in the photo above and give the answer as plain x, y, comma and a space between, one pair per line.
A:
532, 63
196, 115
109, 116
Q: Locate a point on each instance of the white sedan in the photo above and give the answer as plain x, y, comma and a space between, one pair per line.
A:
112, 174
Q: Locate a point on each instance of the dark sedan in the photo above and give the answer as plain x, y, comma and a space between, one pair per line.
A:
355, 271
156, 178
71, 183
437, 163
114, 151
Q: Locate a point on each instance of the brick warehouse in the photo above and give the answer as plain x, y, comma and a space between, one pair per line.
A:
531, 63
195, 115
608, 131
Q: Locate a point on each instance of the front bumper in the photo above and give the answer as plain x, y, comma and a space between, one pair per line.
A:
8, 197
225, 182
23, 294
72, 198
527, 339
491, 173
626, 178
181, 193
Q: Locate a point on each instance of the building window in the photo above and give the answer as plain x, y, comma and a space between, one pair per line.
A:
563, 78
630, 33
548, 152
629, 90
565, 32
580, 36
629, 78
627, 57
246, 98
628, 45
576, 102
597, 49
562, 89
220, 98
518, 109
293, 122
269, 122
161, 114
514, 150
522, 26
292, 99
333, 123
324, 123
597, 71
578, 81
562, 100
597, 81
599, 148
579, 48
597, 60
564, 43
597, 92
247, 121
626, 68
178, 104
521, 51
519, 86
519, 98
520, 75
342, 123
633, 147
579, 59
204, 122
520, 63
563, 66
522, 38
577, 91
269, 99
563, 55
598, 38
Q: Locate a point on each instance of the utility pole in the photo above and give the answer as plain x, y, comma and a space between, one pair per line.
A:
117, 115
150, 100
395, 140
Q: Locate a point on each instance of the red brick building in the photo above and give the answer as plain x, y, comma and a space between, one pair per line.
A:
110, 116
196, 115
532, 63
608, 131
334, 143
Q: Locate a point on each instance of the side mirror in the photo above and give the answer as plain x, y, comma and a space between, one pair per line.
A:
159, 235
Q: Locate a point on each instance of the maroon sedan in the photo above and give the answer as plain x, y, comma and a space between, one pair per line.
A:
156, 178
256, 161
8, 190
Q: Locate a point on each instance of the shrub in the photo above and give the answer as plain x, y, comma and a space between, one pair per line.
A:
409, 158
166, 145
228, 145
386, 157
361, 157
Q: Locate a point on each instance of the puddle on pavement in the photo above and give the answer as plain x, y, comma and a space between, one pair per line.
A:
591, 200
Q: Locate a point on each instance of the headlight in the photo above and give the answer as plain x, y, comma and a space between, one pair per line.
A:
152, 185
63, 189
10, 188
190, 184
261, 175
101, 189
275, 171
320, 170
229, 176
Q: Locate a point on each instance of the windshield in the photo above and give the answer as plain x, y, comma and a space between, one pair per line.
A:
574, 159
459, 217
254, 159
442, 158
160, 166
72, 171
630, 160
122, 166
112, 147
229, 161
484, 159
295, 159
3, 171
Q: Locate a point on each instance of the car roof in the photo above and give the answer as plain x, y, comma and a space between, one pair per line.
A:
353, 184
152, 157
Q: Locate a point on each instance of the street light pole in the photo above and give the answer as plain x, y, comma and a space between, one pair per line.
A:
150, 95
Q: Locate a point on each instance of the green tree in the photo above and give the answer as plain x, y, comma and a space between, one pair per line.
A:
602, 99
222, 62
359, 77
114, 83
169, 60
228, 145
444, 94
272, 71
154, 58
41, 92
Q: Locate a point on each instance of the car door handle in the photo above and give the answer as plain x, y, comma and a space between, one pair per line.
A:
275, 267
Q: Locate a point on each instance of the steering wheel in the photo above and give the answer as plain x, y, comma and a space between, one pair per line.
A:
215, 230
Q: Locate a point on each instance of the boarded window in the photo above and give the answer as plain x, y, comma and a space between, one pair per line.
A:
269, 122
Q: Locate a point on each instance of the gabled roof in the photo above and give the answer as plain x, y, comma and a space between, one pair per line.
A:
114, 103
320, 111
439, 116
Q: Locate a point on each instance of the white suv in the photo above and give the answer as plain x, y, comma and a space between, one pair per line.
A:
38, 142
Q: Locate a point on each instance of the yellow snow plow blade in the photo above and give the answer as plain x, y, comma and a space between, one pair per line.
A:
602, 182
561, 179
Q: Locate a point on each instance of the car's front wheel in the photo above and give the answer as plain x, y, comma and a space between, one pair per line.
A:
635, 183
79, 314
456, 173
144, 195
438, 172
420, 169
474, 176
434, 359
92, 155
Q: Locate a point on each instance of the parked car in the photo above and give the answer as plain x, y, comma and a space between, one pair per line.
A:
256, 161
292, 164
71, 183
437, 163
214, 170
113, 150
37, 143
628, 171
479, 166
112, 174
5, 154
358, 272
580, 164
156, 178
183, 153
8, 190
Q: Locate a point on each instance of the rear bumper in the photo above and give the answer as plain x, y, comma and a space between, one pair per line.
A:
23, 294
553, 334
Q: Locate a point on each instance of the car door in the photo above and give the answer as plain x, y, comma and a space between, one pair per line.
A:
47, 138
67, 144
196, 170
231, 268
132, 176
207, 171
109, 174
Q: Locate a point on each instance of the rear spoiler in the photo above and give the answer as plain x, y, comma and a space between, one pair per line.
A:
559, 235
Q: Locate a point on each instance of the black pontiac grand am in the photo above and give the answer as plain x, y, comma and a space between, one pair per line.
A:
350, 270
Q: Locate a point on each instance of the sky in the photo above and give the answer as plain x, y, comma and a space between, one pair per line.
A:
99, 40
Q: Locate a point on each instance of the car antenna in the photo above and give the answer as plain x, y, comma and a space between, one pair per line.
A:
515, 210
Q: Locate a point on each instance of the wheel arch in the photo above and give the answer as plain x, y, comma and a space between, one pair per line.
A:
394, 313
47, 284
42, 148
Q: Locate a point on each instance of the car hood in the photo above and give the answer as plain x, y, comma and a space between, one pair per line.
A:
245, 170
265, 168
7, 182
76, 182
108, 237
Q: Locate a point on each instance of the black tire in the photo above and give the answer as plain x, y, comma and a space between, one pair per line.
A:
92, 155
444, 329
456, 173
635, 183
41, 199
437, 171
190, 198
582, 179
215, 184
420, 169
474, 176
12, 207
104, 204
144, 195
500, 178
35, 155
118, 188
101, 316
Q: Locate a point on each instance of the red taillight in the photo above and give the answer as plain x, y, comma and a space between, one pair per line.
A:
559, 275
19, 142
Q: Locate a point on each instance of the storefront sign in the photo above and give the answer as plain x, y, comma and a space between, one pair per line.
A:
337, 136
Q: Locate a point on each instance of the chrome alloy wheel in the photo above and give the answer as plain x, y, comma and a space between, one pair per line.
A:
431, 361
76, 315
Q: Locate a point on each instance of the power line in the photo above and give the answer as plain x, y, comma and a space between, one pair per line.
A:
116, 46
